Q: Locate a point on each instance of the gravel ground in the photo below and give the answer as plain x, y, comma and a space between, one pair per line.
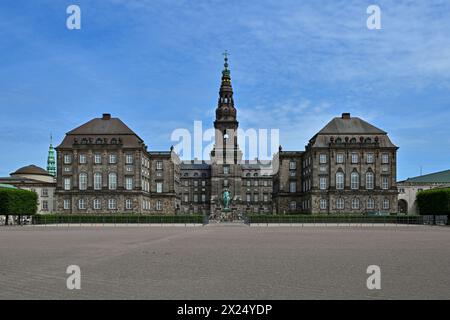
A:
225, 262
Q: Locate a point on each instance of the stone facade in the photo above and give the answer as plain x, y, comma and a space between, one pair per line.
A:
349, 166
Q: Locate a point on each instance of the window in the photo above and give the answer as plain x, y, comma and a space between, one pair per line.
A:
67, 183
292, 186
195, 183
370, 203
129, 159
323, 183
129, 183
225, 183
83, 181
97, 158
355, 203
292, 165
128, 204
385, 204
195, 198
159, 165
249, 198
186, 183
158, 205
44, 192
323, 204
226, 169
369, 180
340, 204
369, 158
249, 183
255, 183
97, 205
265, 197
340, 180
265, 183
293, 205
186, 198
340, 158
255, 197
67, 159
385, 183
112, 204
159, 187
44, 205
354, 158
203, 197
112, 181
112, 158
203, 183
354, 177
322, 158
81, 204
385, 158
97, 181
82, 158
66, 204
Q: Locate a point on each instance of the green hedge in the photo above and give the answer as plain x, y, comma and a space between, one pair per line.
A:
54, 219
434, 201
18, 202
334, 219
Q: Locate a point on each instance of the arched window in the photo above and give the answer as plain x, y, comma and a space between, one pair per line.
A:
338, 140
255, 174
99, 141
368, 140
353, 140
97, 181
112, 181
339, 180
83, 181
369, 180
354, 180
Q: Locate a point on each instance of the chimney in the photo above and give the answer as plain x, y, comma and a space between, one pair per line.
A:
106, 116
346, 115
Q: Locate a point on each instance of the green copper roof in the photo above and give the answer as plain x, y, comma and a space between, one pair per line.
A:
437, 177
7, 186
51, 163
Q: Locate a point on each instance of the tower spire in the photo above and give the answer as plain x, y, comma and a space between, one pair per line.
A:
225, 107
51, 163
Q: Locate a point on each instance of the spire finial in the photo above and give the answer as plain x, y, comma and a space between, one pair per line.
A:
226, 54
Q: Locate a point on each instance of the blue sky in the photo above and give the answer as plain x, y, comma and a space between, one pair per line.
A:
294, 65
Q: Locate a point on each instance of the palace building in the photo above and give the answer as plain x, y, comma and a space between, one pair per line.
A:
349, 166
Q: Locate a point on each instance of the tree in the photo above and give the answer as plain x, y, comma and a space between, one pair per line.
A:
17, 202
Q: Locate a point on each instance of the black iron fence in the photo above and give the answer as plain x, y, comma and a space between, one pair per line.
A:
116, 219
347, 219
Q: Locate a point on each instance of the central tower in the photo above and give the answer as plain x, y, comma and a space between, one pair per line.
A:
226, 157
226, 149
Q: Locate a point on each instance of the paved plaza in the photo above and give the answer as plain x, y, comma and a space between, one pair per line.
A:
225, 262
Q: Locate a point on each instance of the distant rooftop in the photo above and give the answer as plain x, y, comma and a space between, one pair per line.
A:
437, 177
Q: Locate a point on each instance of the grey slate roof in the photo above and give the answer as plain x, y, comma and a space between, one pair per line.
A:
354, 125
437, 177
194, 165
100, 126
105, 127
